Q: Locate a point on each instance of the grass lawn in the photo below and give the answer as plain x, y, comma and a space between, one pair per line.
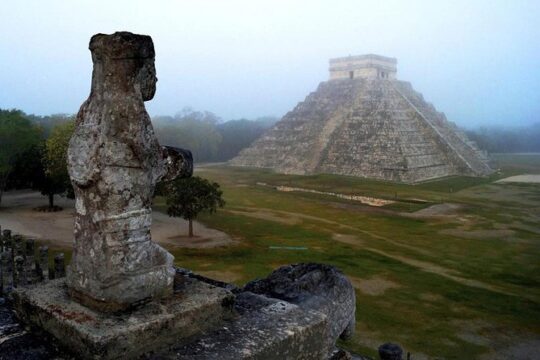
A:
452, 284
458, 280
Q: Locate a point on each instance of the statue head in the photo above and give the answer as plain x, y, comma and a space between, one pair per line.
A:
124, 62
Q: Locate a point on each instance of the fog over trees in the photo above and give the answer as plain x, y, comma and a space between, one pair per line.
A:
27, 142
498, 139
208, 137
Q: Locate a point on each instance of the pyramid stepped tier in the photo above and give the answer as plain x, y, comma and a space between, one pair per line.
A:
366, 127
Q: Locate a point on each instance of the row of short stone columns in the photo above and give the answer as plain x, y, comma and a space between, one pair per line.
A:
21, 265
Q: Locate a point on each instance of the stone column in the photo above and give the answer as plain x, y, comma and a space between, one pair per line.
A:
42, 265
20, 274
18, 243
6, 265
6, 238
30, 261
59, 266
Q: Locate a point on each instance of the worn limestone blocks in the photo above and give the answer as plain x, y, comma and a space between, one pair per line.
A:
114, 161
193, 308
266, 329
374, 128
314, 287
297, 312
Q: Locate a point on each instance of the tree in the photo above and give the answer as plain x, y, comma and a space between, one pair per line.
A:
186, 198
28, 171
56, 179
17, 134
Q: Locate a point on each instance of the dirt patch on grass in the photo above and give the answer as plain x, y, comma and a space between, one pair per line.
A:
444, 272
479, 234
444, 209
431, 297
503, 342
526, 178
523, 350
374, 286
56, 228
227, 276
288, 219
347, 239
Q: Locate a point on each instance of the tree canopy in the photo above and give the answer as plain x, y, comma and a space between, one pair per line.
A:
56, 179
17, 135
188, 197
208, 138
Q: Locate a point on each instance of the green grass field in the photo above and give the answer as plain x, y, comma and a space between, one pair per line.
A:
458, 282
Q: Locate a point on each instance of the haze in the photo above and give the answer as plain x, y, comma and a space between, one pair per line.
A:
479, 62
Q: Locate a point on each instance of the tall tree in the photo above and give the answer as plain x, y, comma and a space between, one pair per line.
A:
17, 134
55, 162
186, 198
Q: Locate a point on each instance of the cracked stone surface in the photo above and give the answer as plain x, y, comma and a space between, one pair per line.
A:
292, 321
114, 161
314, 287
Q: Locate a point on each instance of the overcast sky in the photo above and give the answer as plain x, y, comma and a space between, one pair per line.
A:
477, 61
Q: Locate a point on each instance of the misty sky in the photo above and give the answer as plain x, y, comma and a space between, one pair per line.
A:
477, 61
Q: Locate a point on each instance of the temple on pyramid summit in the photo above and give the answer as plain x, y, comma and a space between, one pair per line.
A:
363, 122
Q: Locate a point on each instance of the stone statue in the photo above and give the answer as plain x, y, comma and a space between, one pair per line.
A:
114, 161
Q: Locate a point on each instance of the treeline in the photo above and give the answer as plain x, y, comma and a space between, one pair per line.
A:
33, 153
209, 139
33, 148
507, 139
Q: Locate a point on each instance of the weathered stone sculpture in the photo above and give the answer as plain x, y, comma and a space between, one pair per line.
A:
114, 162
316, 287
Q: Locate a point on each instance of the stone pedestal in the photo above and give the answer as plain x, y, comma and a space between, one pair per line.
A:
194, 308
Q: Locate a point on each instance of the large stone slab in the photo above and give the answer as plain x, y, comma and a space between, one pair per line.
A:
266, 329
194, 308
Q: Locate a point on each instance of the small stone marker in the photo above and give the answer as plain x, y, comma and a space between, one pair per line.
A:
18, 249
20, 274
6, 266
390, 351
6, 239
30, 261
42, 265
59, 266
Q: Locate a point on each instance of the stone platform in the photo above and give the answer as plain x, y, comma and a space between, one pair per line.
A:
195, 308
266, 329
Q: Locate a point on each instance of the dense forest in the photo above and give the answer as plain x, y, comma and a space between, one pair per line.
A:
32, 148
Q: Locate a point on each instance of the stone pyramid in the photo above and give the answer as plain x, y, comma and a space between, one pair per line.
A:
363, 122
